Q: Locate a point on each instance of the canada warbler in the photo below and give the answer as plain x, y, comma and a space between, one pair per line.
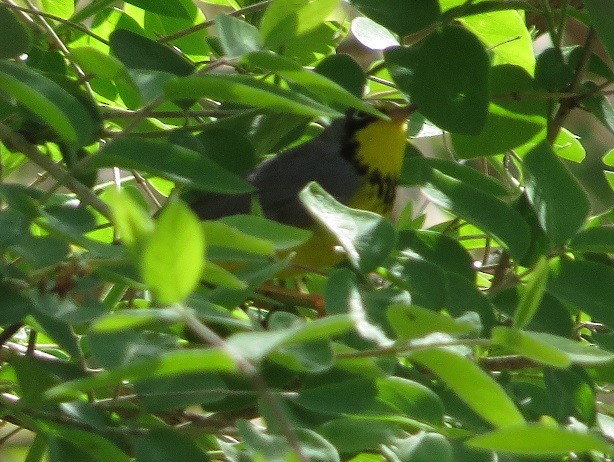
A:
357, 159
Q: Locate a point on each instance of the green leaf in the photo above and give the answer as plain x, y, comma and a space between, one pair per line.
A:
582, 284
165, 365
90, 443
61, 332
446, 77
172, 393
172, 8
164, 444
489, 213
122, 347
284, 20
534, 440
174, 255
246, 91
470, 176
424, 447
505, 35
139, 52
255, 346
595, 239
308, 357
558, 199
237, 37
14, 305
65, 310
62, 8
94, 61
511, 122
321, 87
56, 107
472, 385
254, 275
578, 352
530, 347
403, 17
372, 35
275, 448
464, 296
282, 237
571, 394
61, 450
366, 237
42, 251
170, 161
552, 73
411, 399
355, 434
438, 249
600, 12
13, 227
16, 39
321, 329
131, 221
221, 234
598, 105
345, 72
567, 146
124, 320
221, 277
532, 294
410, 321
350, 395
425, 281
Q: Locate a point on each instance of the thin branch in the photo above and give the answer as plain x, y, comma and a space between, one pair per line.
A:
8, 332
61, 175
412, 346
58, 42
560, 30
63, 21
247, 10
9, 435
147, 188
567, 105
507, 363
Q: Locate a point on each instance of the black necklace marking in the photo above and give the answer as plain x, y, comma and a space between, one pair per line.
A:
386, 184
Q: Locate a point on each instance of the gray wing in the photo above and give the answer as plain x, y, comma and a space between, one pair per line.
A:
280, 179
210, 206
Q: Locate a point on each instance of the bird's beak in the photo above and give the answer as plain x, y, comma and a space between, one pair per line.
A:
399, 114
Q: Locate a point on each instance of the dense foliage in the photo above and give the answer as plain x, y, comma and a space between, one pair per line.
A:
481, 335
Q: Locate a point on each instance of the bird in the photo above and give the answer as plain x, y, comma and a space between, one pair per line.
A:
357, 159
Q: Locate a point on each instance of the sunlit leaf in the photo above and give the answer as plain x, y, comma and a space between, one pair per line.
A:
173, 257
538, 441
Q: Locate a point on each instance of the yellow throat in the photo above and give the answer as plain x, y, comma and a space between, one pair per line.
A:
379, 157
